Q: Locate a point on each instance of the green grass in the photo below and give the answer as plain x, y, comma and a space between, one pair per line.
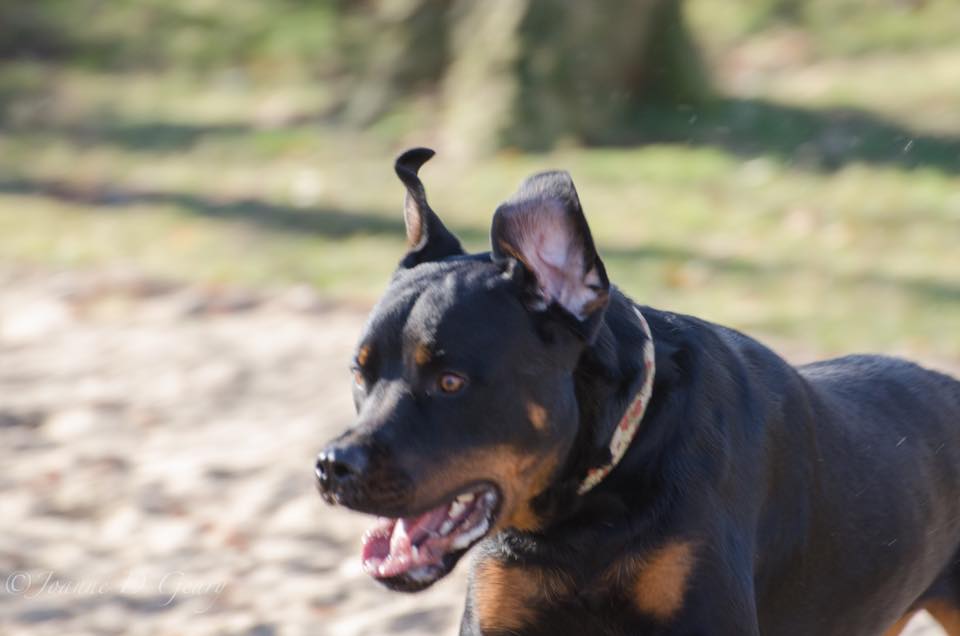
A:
280, 36
822, 205
831, 28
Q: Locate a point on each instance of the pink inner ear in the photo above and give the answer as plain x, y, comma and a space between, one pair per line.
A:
412, 221
548, 243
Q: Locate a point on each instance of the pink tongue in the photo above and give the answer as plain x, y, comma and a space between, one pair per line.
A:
409, 531
389, 546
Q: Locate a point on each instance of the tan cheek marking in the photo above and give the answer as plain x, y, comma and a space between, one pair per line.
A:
421, 355
363, 355
662, 580
537, 415
947, 614
527, 477
521, 477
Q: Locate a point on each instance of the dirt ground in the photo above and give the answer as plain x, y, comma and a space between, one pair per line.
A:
158, 449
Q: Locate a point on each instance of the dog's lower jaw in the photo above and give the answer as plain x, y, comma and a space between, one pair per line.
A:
414, 581
422, 578
411, 553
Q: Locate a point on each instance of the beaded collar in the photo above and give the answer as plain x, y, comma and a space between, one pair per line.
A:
630, 422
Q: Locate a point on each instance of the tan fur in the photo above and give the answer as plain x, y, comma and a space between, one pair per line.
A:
504, 596
531, 476
897, 627
363, 355
662, 578
947, 614
520, 477
422, 355
537, 415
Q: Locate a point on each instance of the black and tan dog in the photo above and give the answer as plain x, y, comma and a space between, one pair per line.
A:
627, 470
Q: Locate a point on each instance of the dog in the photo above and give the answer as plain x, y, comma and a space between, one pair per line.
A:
625, 470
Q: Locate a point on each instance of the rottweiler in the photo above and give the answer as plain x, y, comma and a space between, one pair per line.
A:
626, 470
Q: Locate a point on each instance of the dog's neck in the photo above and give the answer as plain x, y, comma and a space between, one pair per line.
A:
610, 375
629, 422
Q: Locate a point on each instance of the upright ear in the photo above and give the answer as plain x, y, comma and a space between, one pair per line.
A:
427, 238
543, 227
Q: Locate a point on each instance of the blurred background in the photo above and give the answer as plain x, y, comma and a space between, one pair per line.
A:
197, 207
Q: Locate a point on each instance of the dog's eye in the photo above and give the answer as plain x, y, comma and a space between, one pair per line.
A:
451, 382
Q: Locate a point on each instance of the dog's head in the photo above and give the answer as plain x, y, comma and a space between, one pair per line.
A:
464, 380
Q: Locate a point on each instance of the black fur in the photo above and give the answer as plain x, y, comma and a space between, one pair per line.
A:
822, 499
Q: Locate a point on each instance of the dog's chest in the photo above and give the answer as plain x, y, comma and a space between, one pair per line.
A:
647, 588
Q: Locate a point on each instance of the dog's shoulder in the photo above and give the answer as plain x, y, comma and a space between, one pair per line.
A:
694, 353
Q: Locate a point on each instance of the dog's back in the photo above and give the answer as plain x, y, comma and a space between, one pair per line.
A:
883, 474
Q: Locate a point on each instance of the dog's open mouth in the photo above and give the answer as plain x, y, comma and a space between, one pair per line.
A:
416, 551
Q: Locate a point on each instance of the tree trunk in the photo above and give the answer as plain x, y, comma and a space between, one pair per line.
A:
530, 73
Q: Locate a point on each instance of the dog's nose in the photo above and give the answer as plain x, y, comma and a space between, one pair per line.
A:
339, 468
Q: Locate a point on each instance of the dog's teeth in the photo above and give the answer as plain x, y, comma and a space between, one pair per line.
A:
464, 540
419, 574
456, 508
446, 527
415, 551
460, 504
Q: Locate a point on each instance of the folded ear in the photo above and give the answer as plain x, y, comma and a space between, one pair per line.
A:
543, 227
427, 238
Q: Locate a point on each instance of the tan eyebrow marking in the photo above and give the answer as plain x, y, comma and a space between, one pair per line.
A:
363, 355
537, 415
422, 355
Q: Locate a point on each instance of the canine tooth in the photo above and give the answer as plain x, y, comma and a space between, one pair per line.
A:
446, 527
466, 497
456, 508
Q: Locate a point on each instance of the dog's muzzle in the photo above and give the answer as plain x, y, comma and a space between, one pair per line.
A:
340, 471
